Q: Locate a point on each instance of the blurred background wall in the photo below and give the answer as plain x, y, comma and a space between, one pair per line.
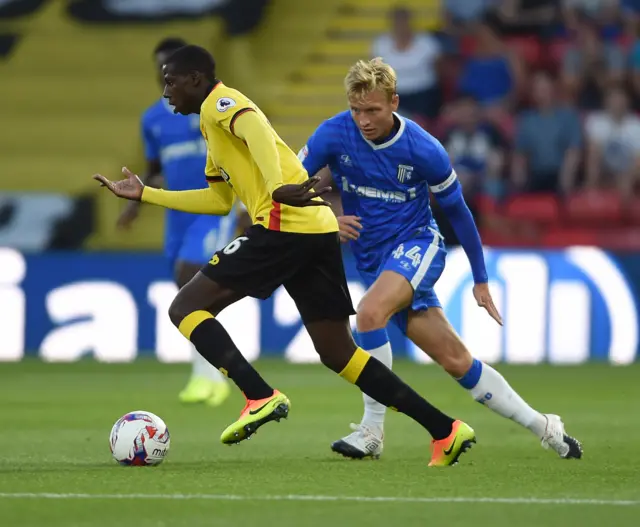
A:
536, 102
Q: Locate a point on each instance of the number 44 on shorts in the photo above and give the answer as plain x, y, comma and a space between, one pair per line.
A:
412, 254
229, 249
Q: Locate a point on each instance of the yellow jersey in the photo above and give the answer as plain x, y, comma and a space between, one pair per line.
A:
232, 157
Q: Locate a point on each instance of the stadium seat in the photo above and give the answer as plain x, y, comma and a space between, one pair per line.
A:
528, 47
594, 207
620, 239
468, 45
556, 51
493, 238
633, 211
485, 204
538, 208
567, 237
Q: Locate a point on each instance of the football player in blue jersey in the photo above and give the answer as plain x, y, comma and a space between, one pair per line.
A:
385, 167
176, 154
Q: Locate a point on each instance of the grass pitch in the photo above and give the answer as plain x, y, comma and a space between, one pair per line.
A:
56, 469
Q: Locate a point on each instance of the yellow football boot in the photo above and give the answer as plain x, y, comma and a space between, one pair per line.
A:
446, 452
254, 415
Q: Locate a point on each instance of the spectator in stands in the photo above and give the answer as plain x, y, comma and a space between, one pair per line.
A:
415, 58
548, 143
529, 17
476, 148
493, 74
590, 66
630, 8
574, 9
613, 145
634, 67
606, 13
463, 13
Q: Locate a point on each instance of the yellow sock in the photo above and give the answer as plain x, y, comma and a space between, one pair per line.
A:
192, 321
356, 364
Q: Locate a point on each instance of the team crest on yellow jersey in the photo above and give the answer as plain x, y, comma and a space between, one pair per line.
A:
224, 103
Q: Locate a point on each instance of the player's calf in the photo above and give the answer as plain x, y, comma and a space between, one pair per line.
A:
189, 313
432, 333
335, 345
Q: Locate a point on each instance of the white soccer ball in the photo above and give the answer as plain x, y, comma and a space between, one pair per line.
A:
139, 438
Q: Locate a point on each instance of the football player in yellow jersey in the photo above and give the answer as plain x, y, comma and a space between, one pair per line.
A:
293, 242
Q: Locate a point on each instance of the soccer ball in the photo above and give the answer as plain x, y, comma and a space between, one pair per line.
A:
139, 438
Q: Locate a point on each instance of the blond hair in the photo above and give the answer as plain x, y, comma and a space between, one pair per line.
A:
367, 76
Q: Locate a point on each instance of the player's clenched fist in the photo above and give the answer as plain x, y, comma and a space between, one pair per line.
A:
129, 188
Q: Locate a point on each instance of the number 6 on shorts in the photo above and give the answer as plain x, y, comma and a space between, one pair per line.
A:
234, 245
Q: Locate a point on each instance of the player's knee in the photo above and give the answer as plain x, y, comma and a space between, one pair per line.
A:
334, 363
369, 317
178, 311
331, 356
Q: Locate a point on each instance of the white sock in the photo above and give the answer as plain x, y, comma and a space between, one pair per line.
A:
201, 368
377, 344
490, 388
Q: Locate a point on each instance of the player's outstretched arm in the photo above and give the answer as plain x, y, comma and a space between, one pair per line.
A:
449, 195
216, 200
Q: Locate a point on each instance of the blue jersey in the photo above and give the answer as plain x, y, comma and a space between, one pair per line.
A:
176, 142
387, 184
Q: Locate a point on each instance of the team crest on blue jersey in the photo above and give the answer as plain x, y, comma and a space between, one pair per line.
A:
346, 160
404, 173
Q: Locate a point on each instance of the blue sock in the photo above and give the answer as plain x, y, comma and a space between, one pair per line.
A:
370, 340
470, 379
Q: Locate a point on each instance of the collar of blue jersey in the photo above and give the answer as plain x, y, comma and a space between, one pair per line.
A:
391, 141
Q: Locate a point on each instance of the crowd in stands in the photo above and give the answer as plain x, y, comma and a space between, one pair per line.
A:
537, 103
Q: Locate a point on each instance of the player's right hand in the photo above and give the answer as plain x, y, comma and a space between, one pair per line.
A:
302, 195
128, 215
129, 188
350, 228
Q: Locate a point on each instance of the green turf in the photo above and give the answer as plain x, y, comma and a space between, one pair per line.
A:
56, 420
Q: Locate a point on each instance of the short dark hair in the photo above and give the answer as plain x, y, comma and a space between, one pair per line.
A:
169, 44
191, 58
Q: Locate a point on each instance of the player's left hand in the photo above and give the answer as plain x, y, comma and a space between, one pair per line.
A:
129, 188
301, 195
350, 228
483, 297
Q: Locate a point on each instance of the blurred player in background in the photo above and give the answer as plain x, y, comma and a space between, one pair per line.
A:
176, 153
293, 242
385, 166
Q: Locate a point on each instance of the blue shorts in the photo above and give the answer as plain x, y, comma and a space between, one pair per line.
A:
421, 261
197, 242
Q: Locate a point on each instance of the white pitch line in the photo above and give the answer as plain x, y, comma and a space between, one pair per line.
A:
305, 497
